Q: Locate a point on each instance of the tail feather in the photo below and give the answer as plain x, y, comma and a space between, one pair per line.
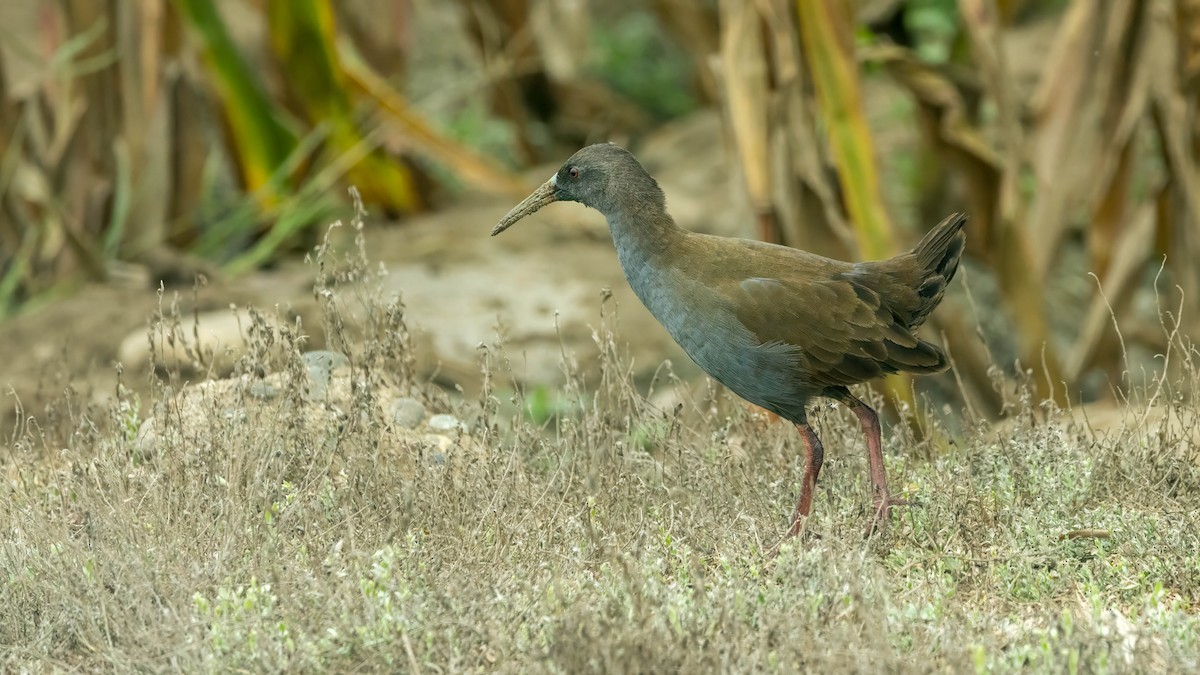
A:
937, 260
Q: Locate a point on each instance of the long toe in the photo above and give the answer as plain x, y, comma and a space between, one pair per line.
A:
882, 515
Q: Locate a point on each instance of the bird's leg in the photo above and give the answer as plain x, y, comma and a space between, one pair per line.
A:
870, 425
814, 453
883, 499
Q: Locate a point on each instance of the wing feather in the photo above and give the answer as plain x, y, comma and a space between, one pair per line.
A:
841, 327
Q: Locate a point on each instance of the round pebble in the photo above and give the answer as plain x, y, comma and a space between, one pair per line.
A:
264, 390
407, 412
444, 422
321, 365
325, 360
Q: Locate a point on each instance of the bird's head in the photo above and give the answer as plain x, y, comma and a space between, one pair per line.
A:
599, 176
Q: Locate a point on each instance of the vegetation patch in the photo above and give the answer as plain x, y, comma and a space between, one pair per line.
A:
604, 535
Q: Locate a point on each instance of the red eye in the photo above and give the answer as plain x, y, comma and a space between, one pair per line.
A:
573, 172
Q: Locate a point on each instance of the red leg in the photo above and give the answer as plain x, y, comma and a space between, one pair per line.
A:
814, 453
870, 425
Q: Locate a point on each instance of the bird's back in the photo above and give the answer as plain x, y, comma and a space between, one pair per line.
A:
828, 322
910, 285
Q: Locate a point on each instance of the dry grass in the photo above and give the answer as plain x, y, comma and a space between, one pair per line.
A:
613, 538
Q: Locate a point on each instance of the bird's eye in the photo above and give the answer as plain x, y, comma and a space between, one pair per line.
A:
573, 172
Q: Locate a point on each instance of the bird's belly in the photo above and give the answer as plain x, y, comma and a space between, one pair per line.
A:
768, 376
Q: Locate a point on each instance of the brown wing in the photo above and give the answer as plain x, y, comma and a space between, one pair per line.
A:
844, 332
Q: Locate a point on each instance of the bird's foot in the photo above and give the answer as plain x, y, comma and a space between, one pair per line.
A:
799, 524
883, 512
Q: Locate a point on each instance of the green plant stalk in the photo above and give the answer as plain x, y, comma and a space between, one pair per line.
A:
20, 266
303, 208
828, 48
261, 139
303, 37
121, 200
250, 211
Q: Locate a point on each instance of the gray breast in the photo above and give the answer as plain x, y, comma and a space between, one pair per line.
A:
708, 330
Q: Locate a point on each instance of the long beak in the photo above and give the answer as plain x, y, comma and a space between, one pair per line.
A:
542, 196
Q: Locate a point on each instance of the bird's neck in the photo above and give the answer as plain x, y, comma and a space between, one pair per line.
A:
643, 236
649, 246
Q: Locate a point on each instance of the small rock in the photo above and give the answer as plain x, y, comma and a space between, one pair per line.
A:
321, 365
145, 444
437, 444
264, 390
325, 360
444, 423
407, 412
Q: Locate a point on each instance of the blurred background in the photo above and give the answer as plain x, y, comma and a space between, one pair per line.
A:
148, 141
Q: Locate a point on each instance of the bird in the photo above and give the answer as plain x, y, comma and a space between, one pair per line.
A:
776, 325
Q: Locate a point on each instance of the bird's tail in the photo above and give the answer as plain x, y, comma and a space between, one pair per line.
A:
937, 260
